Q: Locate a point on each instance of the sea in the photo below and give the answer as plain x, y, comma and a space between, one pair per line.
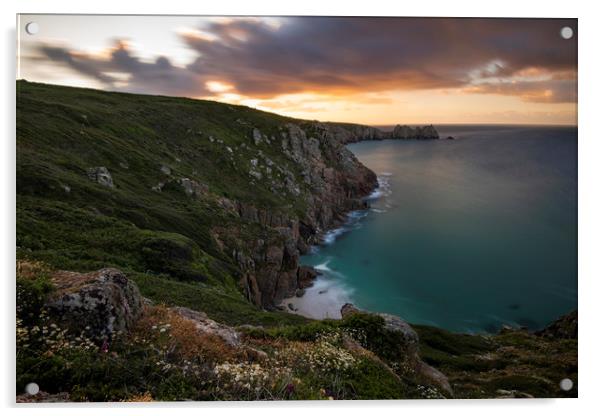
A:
467, 234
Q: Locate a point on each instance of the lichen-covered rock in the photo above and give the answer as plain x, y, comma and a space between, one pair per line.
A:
396, 324
98, 303
101, 175
193, 188
205, 325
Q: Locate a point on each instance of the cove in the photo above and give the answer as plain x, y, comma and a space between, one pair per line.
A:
466, 234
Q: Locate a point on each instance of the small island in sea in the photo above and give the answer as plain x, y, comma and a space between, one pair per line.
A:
176, 248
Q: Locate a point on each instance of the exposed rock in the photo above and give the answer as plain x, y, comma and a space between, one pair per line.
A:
193, 188
300, 292
101, 175
98, 303
504, 329
406, 132
166, 169
257, 136
158, 187
512, 394
396, 324
43, 397
306, 276
450, 138
349, 309
564, 327
208, 326
227, 205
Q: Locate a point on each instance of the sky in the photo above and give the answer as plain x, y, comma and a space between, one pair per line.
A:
369, 70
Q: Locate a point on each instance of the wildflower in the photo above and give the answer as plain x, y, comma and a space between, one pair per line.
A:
105, 346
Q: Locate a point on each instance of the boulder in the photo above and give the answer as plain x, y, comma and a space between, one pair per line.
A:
101, 175
396, 324
205, 325
98, 303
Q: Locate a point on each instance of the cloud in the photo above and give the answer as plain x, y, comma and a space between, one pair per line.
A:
345, 56
158, 77
553, 91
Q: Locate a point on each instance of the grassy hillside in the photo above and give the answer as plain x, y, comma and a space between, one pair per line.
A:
162, 237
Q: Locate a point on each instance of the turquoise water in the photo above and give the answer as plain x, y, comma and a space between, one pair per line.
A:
466, 234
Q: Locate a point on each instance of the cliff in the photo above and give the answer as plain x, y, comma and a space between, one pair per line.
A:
203, 191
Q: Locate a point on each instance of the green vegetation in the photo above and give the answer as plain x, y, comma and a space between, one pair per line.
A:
479, 366
71, 222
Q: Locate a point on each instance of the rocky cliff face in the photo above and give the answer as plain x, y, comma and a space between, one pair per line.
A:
338, 183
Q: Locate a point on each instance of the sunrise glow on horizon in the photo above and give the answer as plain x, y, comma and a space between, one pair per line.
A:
377, 71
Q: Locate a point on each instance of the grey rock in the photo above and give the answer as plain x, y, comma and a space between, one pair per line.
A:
158, 187
193, 188
205, 325
101, 175
257, 136
99, 303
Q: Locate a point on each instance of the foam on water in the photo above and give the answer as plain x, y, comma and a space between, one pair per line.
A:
323, 300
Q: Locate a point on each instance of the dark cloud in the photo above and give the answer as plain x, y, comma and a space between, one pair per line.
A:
350, 55
123, 71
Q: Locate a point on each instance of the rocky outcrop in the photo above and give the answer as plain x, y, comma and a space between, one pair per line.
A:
564, 327
350, 133
409, 346
97, 304
193, 188
420, 133
207, 326
306, 276
101, 175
